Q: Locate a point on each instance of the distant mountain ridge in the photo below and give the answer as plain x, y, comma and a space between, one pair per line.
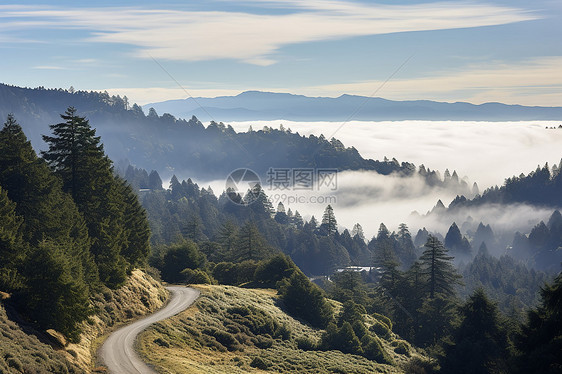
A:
172, 145
257, 105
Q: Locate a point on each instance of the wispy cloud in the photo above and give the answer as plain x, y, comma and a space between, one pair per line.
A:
48, 67
536, 82
256, 38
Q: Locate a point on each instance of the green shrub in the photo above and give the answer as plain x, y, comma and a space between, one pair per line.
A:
226, 339
418, 365
196, 276
306, 344
162, 343
226, 273
260, 363
359, 329
373, 350
264, 341
245, 271
402, 348
273, 270
15, 364
256, 320
283, 332
381, 329
351, 312
305, 300
342, 339
184, 255
234, 274
384, 319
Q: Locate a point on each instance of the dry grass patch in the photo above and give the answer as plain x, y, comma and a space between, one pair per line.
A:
236, 330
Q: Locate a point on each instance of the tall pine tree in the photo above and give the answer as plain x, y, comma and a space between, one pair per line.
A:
115, 221
441, 276
48, 213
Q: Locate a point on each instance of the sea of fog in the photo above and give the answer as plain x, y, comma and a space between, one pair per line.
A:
484, 152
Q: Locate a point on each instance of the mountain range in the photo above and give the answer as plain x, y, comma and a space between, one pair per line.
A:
257, 105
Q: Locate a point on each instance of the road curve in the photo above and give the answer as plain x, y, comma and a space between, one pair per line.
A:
118, 352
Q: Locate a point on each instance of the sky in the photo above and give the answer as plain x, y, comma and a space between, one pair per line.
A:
473, 51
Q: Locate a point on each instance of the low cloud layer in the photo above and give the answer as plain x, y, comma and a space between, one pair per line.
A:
485, 152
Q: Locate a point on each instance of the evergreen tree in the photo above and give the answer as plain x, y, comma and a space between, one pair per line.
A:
107, 204
12, 250
298, 221
540, 340
385, 259
436, 320
251, 245
480, 343
441, 276
454, 241
48, 213
329, 224
405, 246
135, 221
72, 150
53, 297
154, 181
228, 237
357, 231
305, 300
281, 217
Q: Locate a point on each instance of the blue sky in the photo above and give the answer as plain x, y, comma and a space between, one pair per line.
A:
506, 51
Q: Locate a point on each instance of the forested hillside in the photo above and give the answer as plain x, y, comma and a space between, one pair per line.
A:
187, 147
541, 188
69, 225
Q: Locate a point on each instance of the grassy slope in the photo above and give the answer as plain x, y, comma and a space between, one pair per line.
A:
183, 344
23, 353
20, 350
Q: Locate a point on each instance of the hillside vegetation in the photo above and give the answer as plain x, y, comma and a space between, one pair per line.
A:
237, 330
26, 350
21, 352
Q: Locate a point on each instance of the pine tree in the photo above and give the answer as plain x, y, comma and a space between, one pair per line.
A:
329, 224
305, 300
228, 237
53, 297
48, 213
138, 231
441, 276
72, 148
405, 246
12, 250
113, 216
298, 221
480, 343
251, 245
154, 181
358, 231
540, 340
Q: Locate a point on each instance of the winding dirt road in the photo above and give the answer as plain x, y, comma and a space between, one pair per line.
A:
118, 352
